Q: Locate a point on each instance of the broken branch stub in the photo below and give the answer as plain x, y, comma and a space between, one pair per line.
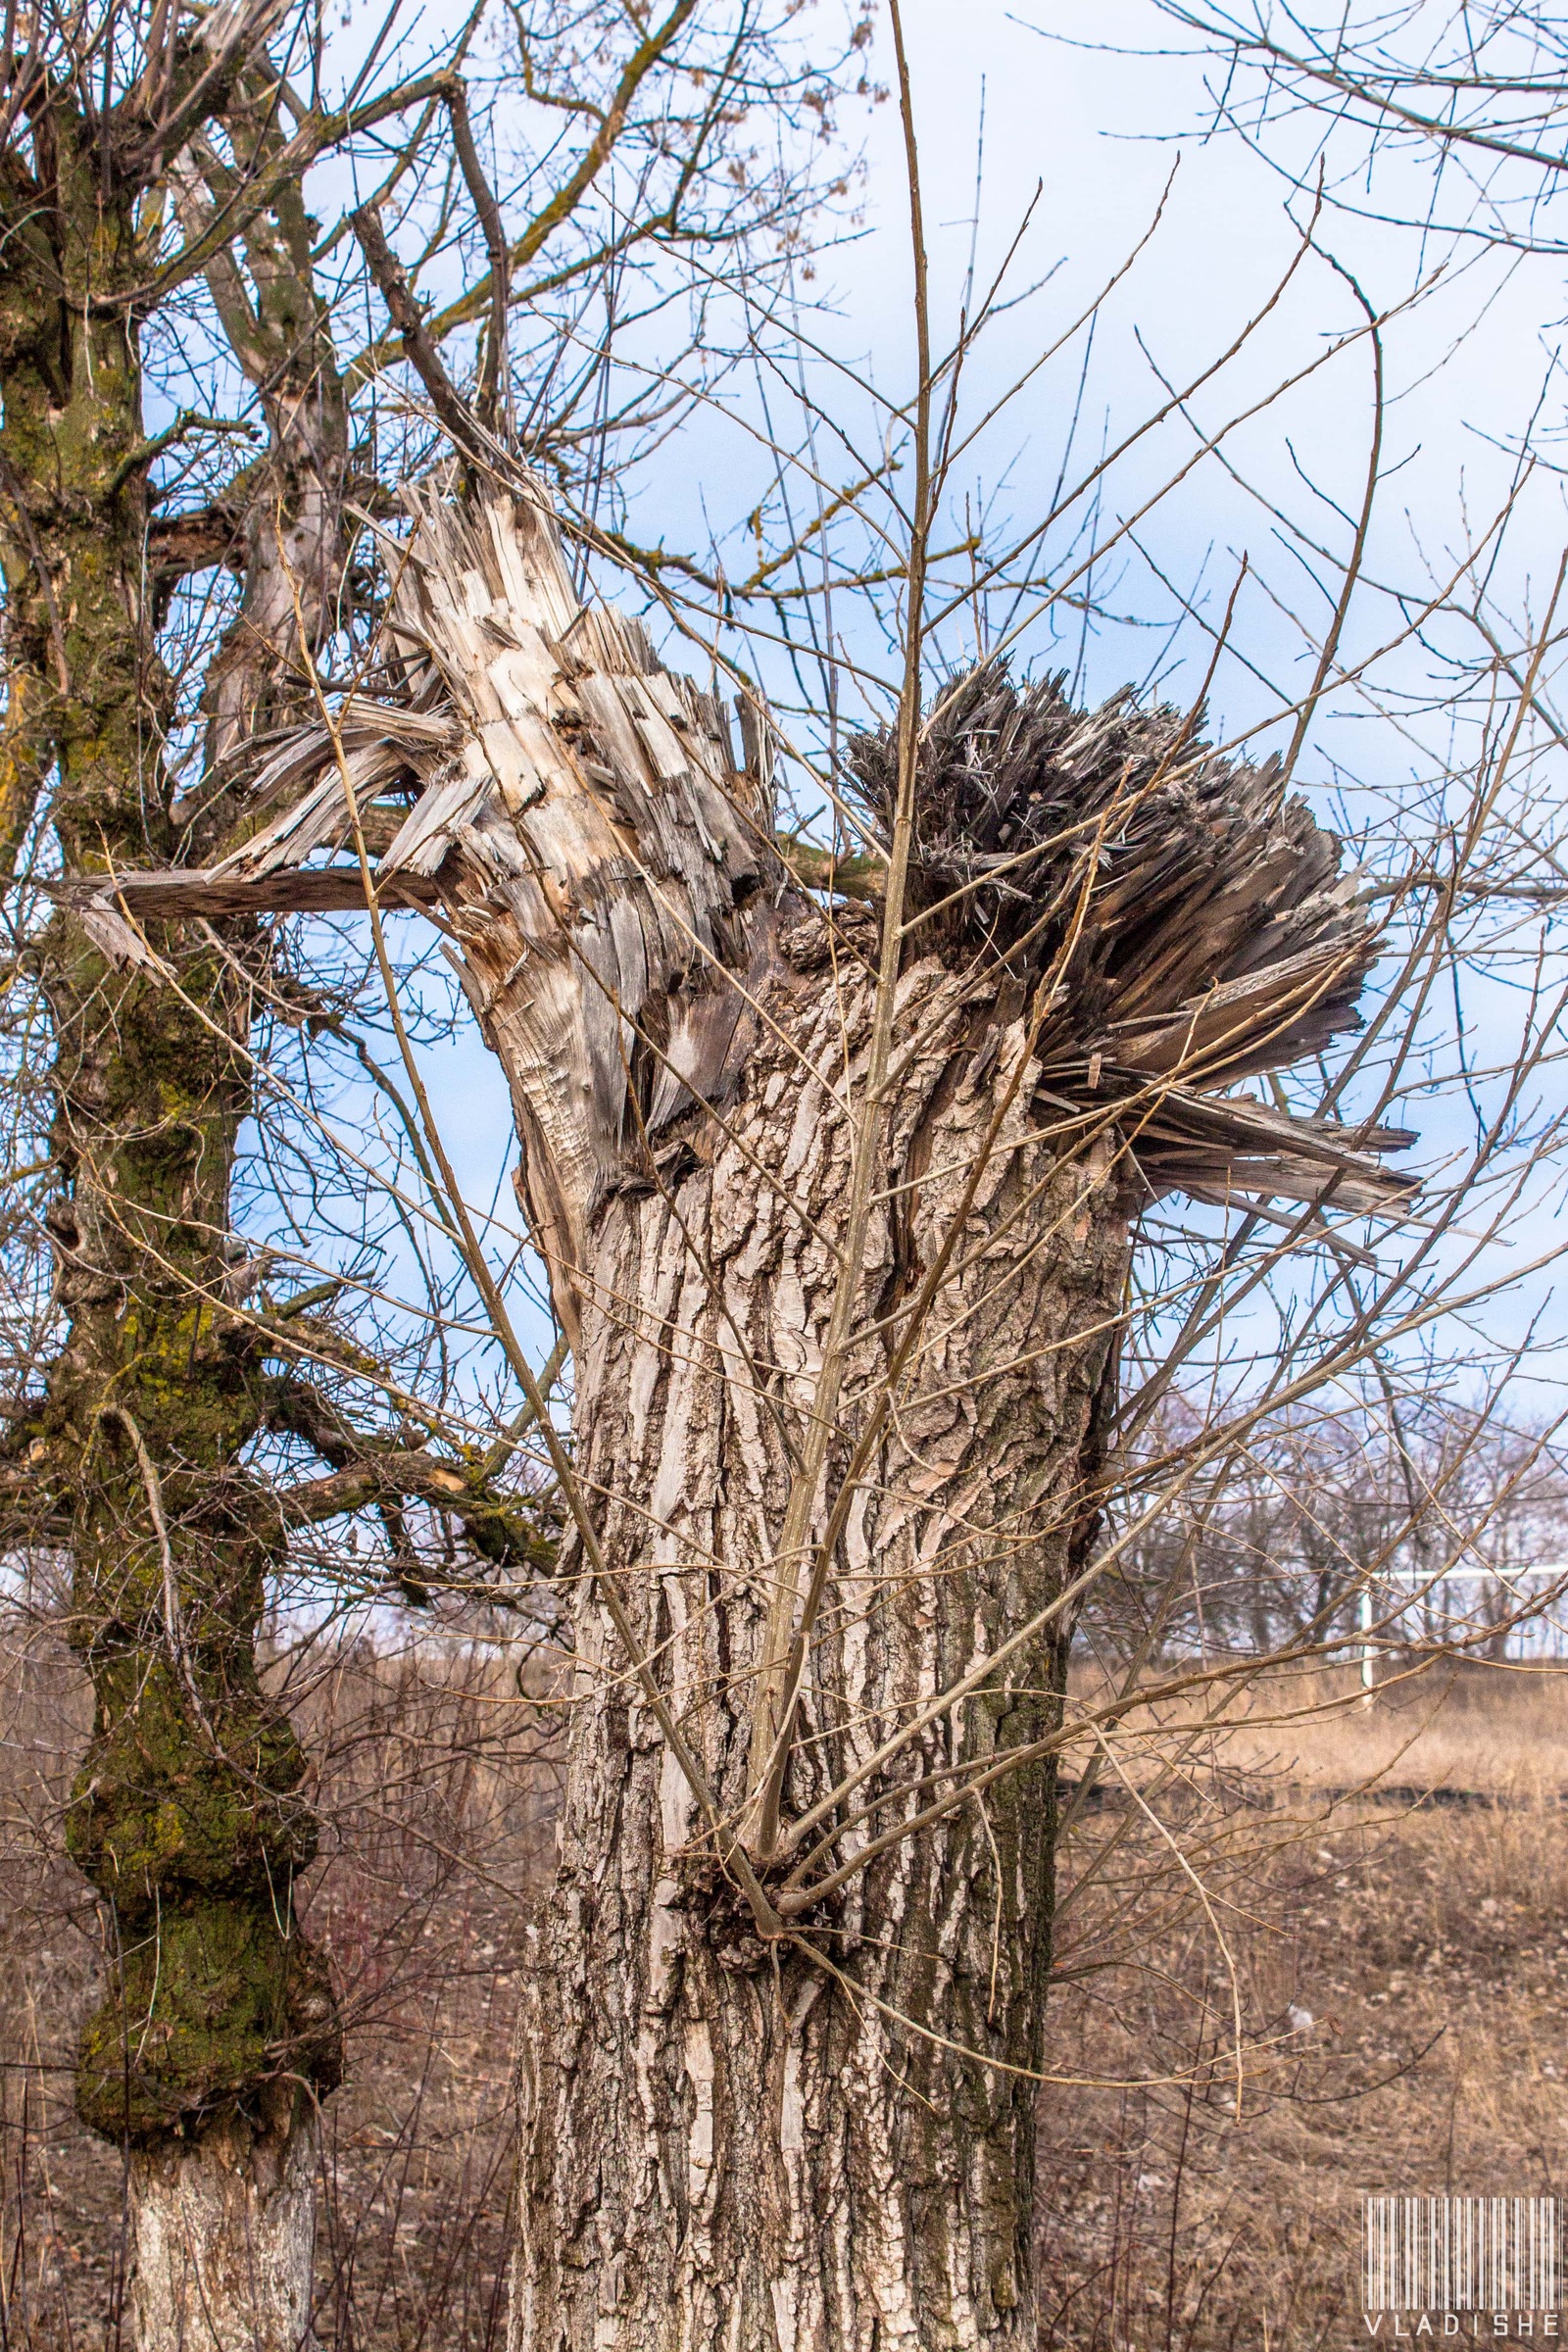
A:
1189, 914
607, 870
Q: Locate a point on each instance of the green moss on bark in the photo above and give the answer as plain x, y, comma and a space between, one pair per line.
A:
165, 1799
187, 1814
211, 2008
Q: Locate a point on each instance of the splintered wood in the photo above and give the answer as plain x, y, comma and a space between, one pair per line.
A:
612, 881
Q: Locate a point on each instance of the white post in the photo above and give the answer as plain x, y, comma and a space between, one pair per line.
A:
1364, 1617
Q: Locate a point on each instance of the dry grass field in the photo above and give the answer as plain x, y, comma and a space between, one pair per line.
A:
1379, 1897
1396, 1958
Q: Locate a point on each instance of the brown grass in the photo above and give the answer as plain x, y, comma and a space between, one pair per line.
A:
1401, 1969
1181, 2209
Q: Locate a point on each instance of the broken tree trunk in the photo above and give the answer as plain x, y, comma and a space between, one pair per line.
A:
728, 2141
838, 1445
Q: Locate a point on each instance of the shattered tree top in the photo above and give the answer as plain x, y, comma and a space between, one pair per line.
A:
540, 776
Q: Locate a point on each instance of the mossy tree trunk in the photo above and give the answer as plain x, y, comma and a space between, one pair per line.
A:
215, 2030
153, 161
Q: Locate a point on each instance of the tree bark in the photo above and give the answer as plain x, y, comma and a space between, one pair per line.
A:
806, 2120
185, 1815
290, 502
225, 2237
729, 2144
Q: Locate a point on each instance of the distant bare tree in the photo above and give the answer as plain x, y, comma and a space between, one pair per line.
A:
1428, 1511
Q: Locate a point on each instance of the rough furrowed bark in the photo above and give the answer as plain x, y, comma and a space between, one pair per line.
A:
726, 2144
